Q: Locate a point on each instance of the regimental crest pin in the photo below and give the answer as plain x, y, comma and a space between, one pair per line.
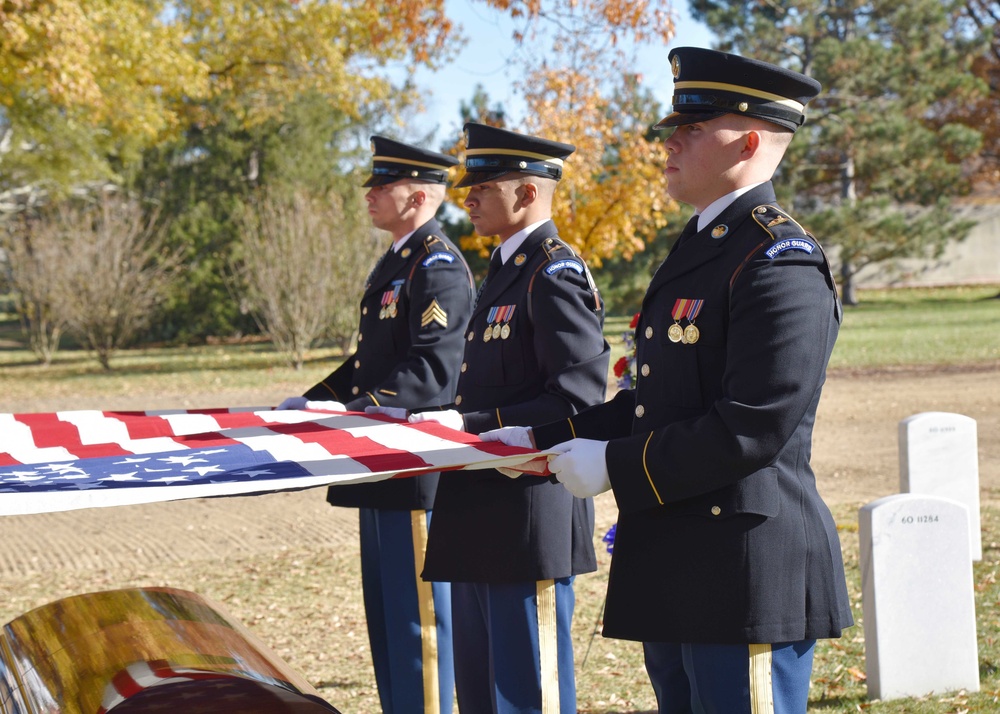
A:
519, 259
720, 231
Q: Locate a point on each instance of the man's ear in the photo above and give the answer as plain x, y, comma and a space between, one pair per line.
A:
751, 143
529, 192
418, 197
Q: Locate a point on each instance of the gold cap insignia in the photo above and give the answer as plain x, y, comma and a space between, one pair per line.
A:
675, 66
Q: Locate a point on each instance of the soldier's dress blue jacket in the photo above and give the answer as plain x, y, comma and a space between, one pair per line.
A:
553, 363
414, 309
415, 306
722, 537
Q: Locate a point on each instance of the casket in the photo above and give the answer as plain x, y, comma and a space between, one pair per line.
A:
144, 650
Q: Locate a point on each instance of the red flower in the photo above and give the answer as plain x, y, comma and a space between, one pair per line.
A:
635, 321
620, 366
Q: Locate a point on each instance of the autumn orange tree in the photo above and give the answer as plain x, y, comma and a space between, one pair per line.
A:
85, 85
581, 89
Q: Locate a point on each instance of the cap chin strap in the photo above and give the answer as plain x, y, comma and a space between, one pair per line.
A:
494, 164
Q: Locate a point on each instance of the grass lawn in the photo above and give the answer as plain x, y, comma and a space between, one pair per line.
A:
902, 328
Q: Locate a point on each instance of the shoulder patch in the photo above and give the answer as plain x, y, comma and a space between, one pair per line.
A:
563, 265
437, 257
803, 244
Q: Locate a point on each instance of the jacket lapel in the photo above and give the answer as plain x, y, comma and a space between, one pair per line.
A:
703, 247
394, 263
510, 271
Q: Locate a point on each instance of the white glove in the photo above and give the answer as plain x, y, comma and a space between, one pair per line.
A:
325, 406
293, 403
580, 467
511, 436
391, 412
449, 418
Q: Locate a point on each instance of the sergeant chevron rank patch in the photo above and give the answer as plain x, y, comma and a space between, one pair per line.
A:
434, 313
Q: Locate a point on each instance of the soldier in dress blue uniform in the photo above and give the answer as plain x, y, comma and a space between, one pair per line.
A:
534, 352
727, 564
416, 303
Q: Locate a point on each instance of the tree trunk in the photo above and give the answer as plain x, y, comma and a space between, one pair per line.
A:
849, 291
849, 194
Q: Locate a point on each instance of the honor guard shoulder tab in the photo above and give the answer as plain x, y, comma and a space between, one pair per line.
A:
561, 256
437, 251
785, 232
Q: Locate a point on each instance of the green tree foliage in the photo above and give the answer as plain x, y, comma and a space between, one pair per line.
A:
205, 179
874, 140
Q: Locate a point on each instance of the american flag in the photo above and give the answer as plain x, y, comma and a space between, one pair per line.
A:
60, 461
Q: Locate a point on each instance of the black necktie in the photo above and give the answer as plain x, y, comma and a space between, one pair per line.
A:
496, 262
689, 230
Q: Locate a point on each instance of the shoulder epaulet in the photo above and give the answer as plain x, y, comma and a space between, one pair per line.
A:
561, 256
437, 251
785, 234
784, 231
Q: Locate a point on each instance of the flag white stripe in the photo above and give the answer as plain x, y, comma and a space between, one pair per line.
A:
185, 424
285, 447
17, 440
97, 428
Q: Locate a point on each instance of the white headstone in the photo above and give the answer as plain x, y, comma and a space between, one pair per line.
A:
938, 456
917, 597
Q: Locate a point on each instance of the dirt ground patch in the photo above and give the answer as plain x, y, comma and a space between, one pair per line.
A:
855, 459
219, 546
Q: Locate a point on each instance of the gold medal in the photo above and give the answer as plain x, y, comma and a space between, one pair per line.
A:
381, 314
691, 334
487, 334
505, 332
392, 309
675, 333
496, 331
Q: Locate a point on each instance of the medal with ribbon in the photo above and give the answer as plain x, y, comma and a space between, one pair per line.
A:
505, 318
490, 317
685, 308
389, 299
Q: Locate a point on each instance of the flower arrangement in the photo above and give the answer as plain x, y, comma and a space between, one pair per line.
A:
625, 366
609, 538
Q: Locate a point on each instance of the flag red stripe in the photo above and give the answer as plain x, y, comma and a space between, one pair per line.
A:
370, 454
48, 431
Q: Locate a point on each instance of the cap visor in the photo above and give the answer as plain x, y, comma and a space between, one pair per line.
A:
471, 178
679, 119
380, 180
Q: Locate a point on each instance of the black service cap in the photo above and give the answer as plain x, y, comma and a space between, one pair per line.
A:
708, 84
394, 161
491, 153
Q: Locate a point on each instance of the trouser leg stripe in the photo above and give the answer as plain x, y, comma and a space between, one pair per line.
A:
761, 694
428, 620
548, 651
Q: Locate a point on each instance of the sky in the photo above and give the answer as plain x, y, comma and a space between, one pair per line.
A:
486, 59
